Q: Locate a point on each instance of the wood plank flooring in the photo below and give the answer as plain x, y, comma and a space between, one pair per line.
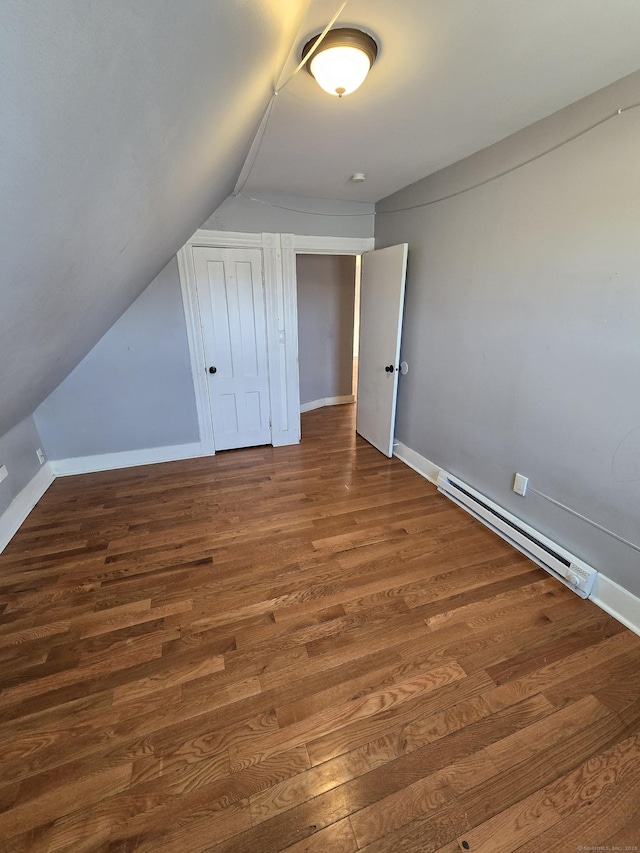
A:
301, 649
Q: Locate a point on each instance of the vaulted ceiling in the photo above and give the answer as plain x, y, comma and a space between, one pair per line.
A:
123, 125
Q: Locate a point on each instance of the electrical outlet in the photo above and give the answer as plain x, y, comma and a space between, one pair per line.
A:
520, 483
3, 473
40, 455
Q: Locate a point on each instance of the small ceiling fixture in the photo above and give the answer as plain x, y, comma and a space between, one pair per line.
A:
342, 60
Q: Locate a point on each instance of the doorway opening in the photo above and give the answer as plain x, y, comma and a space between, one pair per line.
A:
328, 304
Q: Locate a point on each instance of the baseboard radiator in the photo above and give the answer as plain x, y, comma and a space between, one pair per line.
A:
563, 565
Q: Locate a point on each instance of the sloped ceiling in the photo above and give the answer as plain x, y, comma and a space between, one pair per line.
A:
124, 124
452, 77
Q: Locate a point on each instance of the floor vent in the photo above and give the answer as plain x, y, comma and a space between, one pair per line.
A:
564, 566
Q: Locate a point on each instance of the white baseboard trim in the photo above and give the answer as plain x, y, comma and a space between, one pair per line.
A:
286, 439
419, 463
326, 401
23, 503
125, 459
617, 602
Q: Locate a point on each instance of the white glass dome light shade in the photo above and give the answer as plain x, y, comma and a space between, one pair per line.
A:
342, 60
340, 70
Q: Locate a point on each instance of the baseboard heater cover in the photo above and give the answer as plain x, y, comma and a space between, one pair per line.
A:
564, 566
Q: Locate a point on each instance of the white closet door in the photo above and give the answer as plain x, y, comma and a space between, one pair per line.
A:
232, 314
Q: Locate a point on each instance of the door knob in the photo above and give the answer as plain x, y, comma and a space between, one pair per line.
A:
213, 370
389, 368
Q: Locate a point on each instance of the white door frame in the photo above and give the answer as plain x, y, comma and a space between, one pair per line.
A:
295, 244
281, 300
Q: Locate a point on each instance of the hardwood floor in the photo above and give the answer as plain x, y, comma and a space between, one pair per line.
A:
301, 649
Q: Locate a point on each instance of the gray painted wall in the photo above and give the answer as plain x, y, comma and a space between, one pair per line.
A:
326, 292
18, 452
307, 216
134, 389
522, 327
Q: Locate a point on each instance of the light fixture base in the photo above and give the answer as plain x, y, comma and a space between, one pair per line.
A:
343, 40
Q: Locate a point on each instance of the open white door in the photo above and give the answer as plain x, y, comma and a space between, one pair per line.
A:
381, 306
232, 315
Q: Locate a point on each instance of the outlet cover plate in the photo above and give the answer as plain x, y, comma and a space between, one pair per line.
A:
520, 483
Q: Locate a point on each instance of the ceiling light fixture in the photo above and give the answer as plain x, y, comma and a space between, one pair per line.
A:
342, 60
